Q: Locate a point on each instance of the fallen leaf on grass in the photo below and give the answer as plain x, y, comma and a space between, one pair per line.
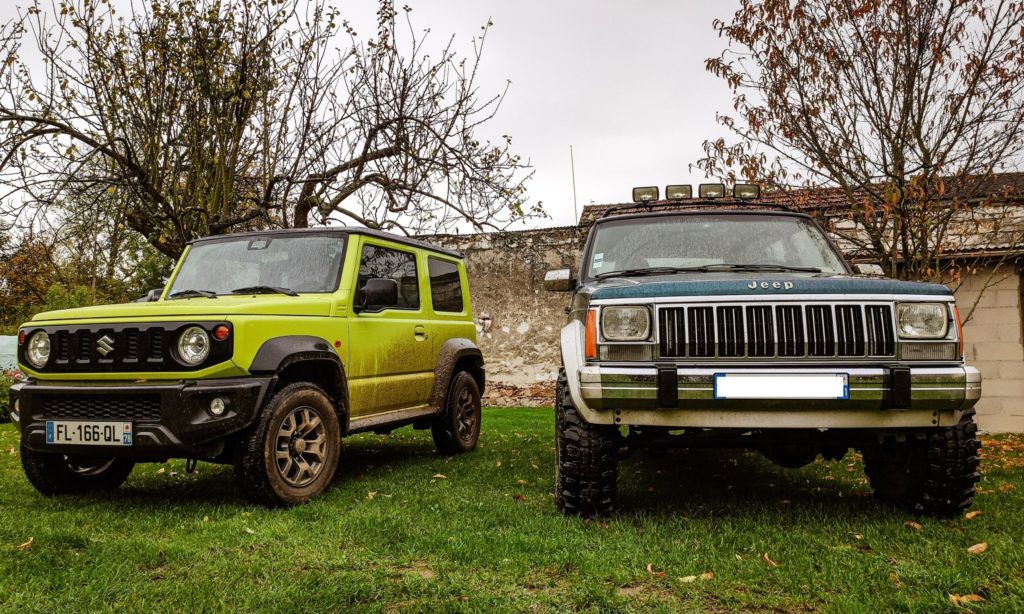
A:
1005, 487
519, 497
250, 531
521, 482
707, 575
767, 559
895, 579
959, 600
370, 495
25, 546
978, 548
910, 524
161, 470
650, 570
688, 579
440, 476
972, 515
206, 519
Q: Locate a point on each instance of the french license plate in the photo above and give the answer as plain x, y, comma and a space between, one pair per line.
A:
88, 433
783, 386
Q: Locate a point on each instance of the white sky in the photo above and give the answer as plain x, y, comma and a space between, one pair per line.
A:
622, 82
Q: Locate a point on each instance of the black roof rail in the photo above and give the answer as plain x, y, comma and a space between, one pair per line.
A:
710, 204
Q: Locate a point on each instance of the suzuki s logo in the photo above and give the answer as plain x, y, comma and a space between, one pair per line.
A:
105, 345
775, 285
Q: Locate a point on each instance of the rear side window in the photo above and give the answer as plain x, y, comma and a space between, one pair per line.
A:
445, 285
385, 263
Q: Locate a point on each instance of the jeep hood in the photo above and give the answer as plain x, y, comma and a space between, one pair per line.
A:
207, 308
753, 284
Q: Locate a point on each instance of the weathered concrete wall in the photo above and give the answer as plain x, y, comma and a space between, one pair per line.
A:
517, 320
993, 344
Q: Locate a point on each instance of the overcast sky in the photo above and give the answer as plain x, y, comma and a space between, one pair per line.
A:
622, 82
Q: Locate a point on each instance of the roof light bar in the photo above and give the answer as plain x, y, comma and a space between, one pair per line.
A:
645, 195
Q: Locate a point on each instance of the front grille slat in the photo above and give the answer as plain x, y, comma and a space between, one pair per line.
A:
139, 407
771, 331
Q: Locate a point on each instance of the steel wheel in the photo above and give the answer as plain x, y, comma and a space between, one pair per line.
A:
301, 446
465, 415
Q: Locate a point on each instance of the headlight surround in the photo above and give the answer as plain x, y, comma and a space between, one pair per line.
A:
922, 320
37, 352
625, 323
193, 345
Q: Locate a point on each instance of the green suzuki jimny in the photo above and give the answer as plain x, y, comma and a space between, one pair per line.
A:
722, 323
263, 351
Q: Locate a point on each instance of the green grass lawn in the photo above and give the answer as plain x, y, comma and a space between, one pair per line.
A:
699, 530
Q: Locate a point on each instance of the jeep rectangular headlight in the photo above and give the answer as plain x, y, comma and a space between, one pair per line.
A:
922, 320
625, 323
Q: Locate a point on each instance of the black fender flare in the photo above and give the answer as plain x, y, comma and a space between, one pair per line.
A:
277, 354
451, 352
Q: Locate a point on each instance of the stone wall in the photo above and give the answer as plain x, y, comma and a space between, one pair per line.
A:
518, 322
993, 344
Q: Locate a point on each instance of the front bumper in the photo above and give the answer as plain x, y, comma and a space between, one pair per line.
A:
879, 397
169, 419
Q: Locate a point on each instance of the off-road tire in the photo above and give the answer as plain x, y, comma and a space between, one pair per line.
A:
457, 429
934, 476
53, 474
256, 461
586, 460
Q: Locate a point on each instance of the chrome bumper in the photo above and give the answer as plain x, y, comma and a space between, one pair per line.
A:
621, 394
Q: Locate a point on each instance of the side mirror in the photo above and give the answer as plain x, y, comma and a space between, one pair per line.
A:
151, 297
869, 269
377, 294
559, 280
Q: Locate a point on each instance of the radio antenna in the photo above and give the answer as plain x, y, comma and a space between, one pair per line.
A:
572, 165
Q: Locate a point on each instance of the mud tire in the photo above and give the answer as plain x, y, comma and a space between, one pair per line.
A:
586, 460
933, 476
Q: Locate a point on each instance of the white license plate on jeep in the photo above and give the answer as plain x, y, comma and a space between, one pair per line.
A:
782, 386
88, 433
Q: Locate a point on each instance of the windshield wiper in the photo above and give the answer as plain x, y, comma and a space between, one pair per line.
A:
192, 294
705, 268
264, 290
765, 267
650, 270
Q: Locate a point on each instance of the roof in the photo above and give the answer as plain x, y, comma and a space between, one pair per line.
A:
339, 230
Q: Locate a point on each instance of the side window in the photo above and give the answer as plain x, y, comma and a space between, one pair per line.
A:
385, 263
445, 285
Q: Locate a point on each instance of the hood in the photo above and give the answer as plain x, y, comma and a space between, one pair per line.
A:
759, 284
208, 308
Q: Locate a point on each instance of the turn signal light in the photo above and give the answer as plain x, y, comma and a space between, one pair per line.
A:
591, 334
221, 332
959, 330
21, 337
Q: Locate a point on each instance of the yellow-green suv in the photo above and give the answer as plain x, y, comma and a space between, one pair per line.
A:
263, 351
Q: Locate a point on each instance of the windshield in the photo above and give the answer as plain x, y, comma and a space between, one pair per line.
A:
663, 244
296, 263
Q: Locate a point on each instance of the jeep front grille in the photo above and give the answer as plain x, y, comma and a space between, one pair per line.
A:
776, 331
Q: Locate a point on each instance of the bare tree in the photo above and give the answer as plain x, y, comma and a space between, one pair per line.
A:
907, 109
208, 116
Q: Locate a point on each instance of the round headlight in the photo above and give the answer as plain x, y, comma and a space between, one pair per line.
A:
922, 320
38, 351
193, 345
625, 323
